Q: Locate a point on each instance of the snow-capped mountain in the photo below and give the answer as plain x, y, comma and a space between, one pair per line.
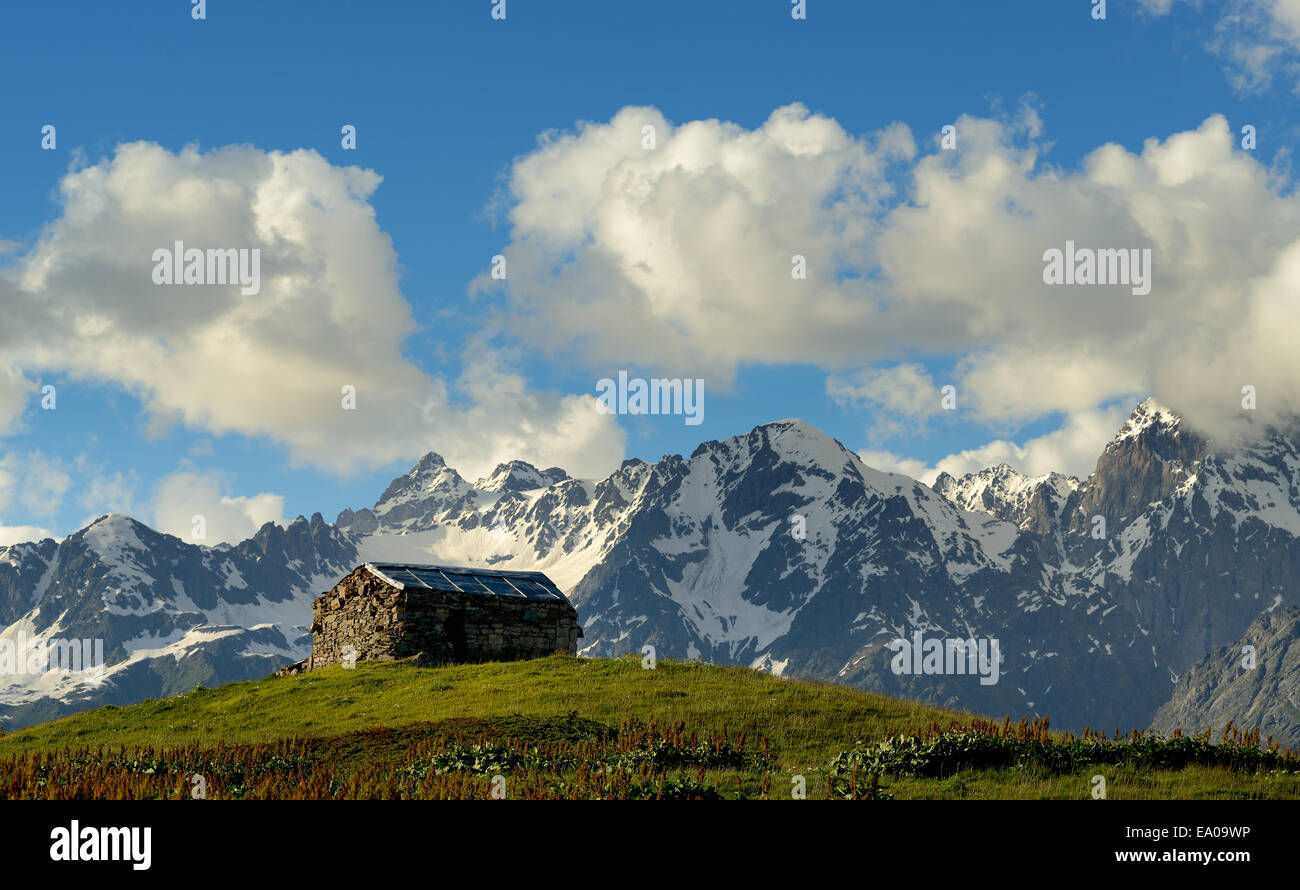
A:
170, 615
1033, 503
781, 549
778, 549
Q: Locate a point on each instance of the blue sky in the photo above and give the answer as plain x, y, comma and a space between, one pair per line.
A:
445, 100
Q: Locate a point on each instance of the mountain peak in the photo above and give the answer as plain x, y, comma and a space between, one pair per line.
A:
1032, 502
431, 462
792, 440
1150, 456
792, 426
113, 522
518, 475
113, 532
430, 473
1147, 415
793, 423
1157, 434
799, 437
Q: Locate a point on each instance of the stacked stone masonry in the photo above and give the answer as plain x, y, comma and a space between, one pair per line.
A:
382, 622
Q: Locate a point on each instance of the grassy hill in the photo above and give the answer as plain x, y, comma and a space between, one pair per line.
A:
568, 727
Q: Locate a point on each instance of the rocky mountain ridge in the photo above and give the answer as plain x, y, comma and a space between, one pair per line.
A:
778, 548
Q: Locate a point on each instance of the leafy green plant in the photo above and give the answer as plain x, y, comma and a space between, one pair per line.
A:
981, 744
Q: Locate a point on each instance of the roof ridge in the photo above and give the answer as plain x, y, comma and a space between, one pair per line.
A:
459, 570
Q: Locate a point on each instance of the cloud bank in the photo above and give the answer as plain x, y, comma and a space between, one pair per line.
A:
329, 315
711, 247
679, 257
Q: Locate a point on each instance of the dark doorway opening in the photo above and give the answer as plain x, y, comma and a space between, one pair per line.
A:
456, 632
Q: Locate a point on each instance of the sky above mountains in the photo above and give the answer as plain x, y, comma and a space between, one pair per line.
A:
653, 176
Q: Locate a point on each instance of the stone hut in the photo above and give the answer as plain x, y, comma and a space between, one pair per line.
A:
385, 611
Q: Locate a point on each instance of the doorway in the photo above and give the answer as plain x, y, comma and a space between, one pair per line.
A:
456, 634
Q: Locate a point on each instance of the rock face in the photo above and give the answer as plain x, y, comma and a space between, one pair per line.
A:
1259, 688
520, 476
367, 617
1034, 504
1146, 462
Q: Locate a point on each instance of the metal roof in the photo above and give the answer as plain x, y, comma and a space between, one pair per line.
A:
454, 579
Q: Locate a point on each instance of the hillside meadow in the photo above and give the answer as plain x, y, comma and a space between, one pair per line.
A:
572, 728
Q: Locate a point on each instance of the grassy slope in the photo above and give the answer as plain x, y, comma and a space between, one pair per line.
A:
806, 723
797, 717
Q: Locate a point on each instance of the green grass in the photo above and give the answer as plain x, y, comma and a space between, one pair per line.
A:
381, 716
797, 717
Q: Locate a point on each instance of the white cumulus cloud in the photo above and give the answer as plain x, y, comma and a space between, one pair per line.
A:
186, 501
1073, 449
329, 315
679, 257
15, 534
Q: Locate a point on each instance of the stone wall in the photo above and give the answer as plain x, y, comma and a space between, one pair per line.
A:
384, 623
361, 611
